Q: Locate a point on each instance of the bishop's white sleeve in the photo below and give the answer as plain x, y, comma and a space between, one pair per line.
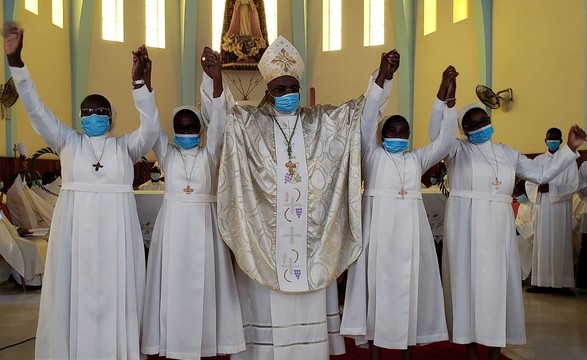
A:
53, 131
445, 141
142, 139
542, 174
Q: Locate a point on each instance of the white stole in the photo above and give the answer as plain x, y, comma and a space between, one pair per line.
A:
292, 206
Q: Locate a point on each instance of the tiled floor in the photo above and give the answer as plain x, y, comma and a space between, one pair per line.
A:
556, 325
556, 328
18, 321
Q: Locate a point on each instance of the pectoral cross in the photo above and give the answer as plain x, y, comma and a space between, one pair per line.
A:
97, 166
188, 190
401, 193
496, 183
291, 166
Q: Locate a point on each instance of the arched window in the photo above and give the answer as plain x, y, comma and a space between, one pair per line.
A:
460, 10
112, 20
155, 23
429, 16
57, 13
374, 20
332, 25
32, 6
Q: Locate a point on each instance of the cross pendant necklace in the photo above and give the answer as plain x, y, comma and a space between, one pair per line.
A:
97, 165
402, 191
288, 140
188, 189
496, 183
495, 169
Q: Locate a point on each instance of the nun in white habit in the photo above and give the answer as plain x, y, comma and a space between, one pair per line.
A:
481, 271
393, 294
192, 307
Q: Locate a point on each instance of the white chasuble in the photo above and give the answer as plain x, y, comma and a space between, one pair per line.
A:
254, 182
292, 205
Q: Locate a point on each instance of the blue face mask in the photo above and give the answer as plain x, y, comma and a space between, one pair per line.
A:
96, 125
553, 145
395, 145
155, 176
187, 141
482, 135
433, 181
522, 198
287, 103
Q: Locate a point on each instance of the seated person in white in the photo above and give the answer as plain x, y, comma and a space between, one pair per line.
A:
155, 183
21, 211
524, 229
26, 256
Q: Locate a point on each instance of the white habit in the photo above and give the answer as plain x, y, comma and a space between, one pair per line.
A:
394, 294
552, 260
92, 297
191, 302
481, 269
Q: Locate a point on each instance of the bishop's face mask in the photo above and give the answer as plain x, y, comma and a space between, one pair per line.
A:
155, 176
481, 135
286, 103
553, 145
96, 125
187, 141
395, 145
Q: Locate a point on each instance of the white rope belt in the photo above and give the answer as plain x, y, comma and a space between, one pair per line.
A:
482, 196
97, 188
393, 193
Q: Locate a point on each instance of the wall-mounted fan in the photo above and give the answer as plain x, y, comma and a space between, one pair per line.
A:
8, 97
491, 99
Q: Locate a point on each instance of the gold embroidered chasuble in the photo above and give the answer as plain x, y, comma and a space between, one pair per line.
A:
248, 181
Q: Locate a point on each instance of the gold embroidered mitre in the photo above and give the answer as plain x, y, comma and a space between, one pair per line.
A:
281, 59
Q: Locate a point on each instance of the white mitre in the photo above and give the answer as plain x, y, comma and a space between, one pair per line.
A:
281, 58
